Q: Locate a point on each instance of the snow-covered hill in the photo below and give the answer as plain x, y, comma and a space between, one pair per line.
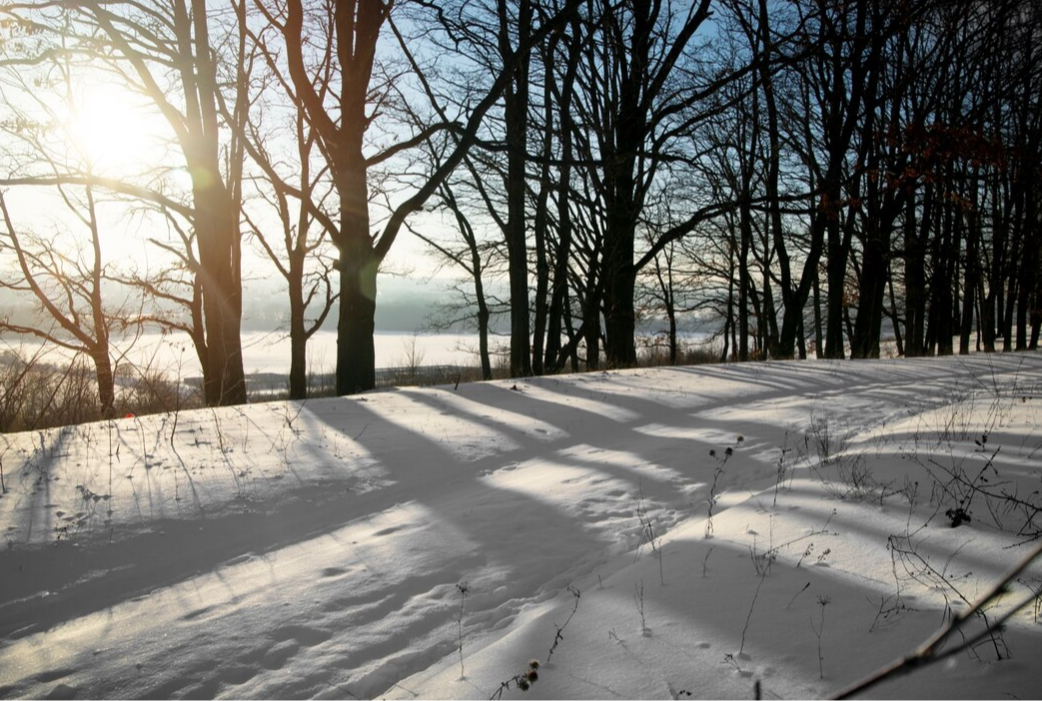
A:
650, 533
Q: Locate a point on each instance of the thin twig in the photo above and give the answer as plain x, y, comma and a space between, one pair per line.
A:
931, 652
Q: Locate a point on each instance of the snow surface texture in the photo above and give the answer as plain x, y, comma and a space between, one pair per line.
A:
658, 533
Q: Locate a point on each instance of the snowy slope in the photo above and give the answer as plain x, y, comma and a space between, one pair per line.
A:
429, 543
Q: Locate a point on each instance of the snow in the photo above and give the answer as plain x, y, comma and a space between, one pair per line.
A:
429, 543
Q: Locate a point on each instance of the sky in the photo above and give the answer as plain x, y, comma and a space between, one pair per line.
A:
102, 126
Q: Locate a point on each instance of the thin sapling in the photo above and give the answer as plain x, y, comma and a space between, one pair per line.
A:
823, 601
638, 600
530, 676
796, 595
942, 645
714, 496
463, 588
648, 535
559, 635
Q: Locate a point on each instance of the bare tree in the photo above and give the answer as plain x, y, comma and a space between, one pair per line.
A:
341, 113
68, 289
165, 51
65, 274
475, 258
298, 193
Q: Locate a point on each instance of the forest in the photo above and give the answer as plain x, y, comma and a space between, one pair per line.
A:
808, 178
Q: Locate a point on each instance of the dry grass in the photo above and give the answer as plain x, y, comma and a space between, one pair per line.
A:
35, 394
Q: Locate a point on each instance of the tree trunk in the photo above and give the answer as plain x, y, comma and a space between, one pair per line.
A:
358, 266
894, 315
559, 289
745, 234
106, 382
298, 377
225, 383
915, 278
620, 319
592, 325
515, 116
483, 318
868, 326
970, 275
216, 215
836, 273
356, 354
729, 321
819, 347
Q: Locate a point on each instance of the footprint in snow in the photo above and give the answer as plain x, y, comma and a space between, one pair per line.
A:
197, 613
391, 529
237, 674
308, 637
53, 675
63, 691
279, 655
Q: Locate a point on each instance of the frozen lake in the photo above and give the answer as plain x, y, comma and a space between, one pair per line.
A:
270, 352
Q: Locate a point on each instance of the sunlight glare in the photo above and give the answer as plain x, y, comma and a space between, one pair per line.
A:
111, 129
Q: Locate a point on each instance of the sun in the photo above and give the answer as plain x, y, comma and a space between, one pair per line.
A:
112, 129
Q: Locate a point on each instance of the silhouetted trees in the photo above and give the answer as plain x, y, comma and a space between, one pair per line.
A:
798, 177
